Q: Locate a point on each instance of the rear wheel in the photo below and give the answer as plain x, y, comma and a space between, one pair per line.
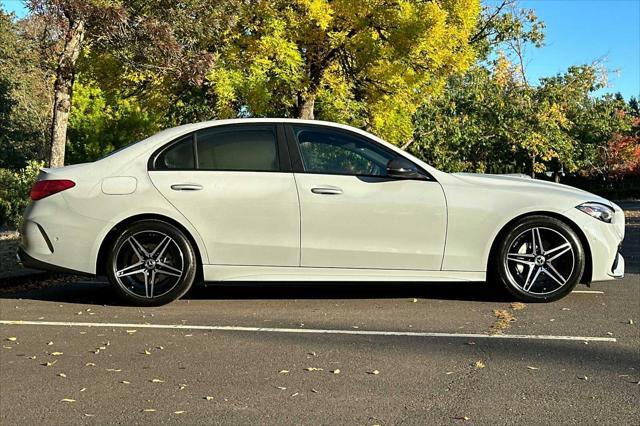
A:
540, 259
151, 263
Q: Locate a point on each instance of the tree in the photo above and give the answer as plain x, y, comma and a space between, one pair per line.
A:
148, 39
72, 24
25, 94
366, 62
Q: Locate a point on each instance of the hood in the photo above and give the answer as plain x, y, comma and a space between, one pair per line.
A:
527, 183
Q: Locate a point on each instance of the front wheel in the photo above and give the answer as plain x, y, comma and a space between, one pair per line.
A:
540, 259
152, 263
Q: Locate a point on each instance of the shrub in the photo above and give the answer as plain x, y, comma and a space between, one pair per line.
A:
14, 192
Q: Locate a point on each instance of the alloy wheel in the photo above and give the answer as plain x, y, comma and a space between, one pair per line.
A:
149, 264
540, 261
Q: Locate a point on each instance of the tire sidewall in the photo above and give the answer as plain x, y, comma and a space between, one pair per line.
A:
185, 282
545, 222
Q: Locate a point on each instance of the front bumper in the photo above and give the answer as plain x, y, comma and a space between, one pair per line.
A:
617, 270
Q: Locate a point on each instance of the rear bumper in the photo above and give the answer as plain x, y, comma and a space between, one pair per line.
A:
29, 262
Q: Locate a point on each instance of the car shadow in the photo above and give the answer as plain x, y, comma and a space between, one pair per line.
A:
98, 292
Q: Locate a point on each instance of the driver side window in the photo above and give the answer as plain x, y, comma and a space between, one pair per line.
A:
338, 153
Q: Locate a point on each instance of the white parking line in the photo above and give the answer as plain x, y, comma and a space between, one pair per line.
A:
308, 330
588, 291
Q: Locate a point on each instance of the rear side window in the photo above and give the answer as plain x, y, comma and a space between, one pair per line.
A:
228, 148
178, 156
249, 148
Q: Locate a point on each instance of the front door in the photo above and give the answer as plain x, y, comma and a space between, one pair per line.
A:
354, 216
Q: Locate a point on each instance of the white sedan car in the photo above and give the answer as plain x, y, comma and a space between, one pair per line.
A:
293, 200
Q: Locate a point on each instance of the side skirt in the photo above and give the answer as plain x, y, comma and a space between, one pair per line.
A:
292, 273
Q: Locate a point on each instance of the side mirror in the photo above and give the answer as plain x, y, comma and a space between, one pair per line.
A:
400, 167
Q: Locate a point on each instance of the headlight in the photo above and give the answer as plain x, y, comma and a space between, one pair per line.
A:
597, 210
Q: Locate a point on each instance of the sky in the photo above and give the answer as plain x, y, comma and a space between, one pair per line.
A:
577, 32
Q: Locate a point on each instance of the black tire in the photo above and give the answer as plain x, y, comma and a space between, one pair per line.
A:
550, 273
144, 262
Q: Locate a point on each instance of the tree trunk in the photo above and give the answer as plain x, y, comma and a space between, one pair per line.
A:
533, 166
63, 88
306, 104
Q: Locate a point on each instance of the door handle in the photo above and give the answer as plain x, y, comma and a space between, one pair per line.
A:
186, 187
327, 190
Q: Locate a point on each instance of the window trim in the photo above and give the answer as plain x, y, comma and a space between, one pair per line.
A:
297, 164
282, 151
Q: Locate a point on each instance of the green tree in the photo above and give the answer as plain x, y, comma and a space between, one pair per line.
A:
24, 95
157, 39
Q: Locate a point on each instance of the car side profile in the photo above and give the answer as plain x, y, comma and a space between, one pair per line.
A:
295, 200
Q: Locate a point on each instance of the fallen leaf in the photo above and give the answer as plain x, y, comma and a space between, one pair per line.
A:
336, 371
532, 368
479, 364
157, 381
518, 306
67, 400
12, 339
313, 369
62, 375
283, 371
55, 353
208, 398
373, 372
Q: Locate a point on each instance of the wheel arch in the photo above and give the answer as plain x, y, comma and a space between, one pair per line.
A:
113, 233
588, 268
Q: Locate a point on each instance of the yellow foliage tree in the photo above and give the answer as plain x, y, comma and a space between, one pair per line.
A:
365, 62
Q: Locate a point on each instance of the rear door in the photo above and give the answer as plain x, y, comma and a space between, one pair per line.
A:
234, 184
353, 215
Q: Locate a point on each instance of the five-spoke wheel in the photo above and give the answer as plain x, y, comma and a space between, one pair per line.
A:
151, 263
539, 259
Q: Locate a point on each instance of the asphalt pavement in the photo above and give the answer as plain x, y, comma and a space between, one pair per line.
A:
321, 354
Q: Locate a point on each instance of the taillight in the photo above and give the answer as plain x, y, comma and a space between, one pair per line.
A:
44, 188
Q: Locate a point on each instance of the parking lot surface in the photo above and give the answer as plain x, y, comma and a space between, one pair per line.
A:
321, 354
